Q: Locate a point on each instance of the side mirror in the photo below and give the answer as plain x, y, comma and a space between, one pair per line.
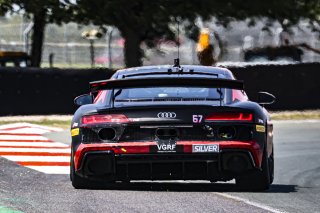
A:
83, 100
265, 98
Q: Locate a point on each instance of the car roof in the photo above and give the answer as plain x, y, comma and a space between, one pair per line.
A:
203, 70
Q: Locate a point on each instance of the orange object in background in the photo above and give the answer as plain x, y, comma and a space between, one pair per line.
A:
205, 48
204, 40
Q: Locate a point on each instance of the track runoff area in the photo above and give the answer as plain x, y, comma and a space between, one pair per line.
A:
25, 144
296, 188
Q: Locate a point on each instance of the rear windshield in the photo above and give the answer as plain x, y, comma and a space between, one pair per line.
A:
168, 96
168, 93
171, 95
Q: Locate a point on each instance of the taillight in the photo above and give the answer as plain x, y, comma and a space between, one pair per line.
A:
112, 118
230, 116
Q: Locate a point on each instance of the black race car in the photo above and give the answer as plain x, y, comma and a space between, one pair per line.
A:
171, 123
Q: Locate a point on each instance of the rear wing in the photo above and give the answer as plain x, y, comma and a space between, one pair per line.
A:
96, 86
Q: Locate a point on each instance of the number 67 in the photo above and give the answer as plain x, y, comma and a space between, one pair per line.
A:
197, 118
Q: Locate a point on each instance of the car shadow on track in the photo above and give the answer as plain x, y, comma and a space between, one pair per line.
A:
193, 187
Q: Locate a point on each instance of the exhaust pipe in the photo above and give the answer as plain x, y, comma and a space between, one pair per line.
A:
107, 134
227, 132
166, 133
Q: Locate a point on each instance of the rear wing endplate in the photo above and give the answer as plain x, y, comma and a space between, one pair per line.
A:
96, 86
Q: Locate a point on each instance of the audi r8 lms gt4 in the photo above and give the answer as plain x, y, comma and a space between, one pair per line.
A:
171, 123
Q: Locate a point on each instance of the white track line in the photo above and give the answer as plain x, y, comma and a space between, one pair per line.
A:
26, 130
53, 129
251, 203
13, 125
52, 169
33, 126
10, 149
38, 158
42, 144
22, 137
30, 130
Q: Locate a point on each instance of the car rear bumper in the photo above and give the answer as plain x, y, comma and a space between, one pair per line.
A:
138, 161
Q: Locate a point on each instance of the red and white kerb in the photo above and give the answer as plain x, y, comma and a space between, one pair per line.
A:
24, 144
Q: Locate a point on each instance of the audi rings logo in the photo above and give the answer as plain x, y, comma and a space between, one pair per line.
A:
167, 115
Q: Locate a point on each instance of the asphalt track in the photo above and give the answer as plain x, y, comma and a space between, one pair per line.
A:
296, 187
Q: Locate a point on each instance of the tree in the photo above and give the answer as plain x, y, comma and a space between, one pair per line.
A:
41, 12
143, 21
148, 21
3, 8
138, 21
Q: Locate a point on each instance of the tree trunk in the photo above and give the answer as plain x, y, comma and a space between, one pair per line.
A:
39, 23
132, 50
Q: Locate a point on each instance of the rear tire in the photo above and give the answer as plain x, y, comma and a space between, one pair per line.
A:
259, 180
271, 167
77, 181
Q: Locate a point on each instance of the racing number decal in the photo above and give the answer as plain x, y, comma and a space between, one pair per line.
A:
197, 118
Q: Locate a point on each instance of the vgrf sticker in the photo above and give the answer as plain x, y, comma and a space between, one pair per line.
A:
260, 128
166, 146
75, 132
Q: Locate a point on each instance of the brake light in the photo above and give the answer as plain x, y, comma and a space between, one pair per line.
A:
112, 118
230, 116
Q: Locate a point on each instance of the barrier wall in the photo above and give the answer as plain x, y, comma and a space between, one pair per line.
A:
44, 91
51, 91
296, 86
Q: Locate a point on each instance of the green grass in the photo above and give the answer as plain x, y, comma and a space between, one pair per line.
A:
45, 122
296, 115
4, 209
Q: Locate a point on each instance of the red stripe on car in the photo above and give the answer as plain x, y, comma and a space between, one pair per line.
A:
144, 148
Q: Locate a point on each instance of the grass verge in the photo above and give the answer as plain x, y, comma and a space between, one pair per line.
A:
61, 121
52, 123
296, 115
